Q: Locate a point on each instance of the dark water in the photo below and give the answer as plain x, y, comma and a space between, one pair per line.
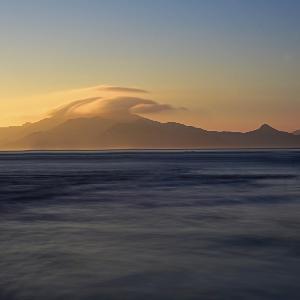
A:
150, 225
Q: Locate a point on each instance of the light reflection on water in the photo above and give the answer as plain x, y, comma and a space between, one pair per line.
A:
150, 225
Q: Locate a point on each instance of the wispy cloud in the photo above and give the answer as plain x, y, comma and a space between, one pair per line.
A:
111, 106
65, 110
122, 89
151, 107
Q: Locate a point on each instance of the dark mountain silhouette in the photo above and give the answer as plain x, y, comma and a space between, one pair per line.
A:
14, 133
132, 131
297, 132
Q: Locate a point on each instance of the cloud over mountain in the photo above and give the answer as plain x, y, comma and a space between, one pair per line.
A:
120, 106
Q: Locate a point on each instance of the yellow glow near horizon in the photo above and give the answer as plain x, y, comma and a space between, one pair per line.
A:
211, 109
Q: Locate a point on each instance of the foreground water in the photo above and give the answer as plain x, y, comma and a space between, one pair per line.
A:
150, 225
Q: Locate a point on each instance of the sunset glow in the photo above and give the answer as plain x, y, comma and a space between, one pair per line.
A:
232, 64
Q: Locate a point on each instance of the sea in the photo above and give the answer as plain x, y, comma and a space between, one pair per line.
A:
167, 225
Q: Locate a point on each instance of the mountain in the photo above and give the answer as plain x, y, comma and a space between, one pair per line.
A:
297, 132
132, 131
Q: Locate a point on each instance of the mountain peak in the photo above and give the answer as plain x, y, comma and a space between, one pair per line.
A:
266, 128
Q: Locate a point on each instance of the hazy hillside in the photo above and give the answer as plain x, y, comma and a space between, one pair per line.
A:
134, 132
297, 132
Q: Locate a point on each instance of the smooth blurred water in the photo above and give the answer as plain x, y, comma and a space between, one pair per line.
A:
150, 225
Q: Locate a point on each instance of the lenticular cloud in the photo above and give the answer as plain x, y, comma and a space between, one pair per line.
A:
122, 106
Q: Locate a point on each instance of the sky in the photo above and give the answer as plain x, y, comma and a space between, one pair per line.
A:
230, 64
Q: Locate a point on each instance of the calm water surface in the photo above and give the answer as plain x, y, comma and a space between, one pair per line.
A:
150, 225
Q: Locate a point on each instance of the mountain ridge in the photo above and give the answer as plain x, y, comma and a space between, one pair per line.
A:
134, 132
296, 132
